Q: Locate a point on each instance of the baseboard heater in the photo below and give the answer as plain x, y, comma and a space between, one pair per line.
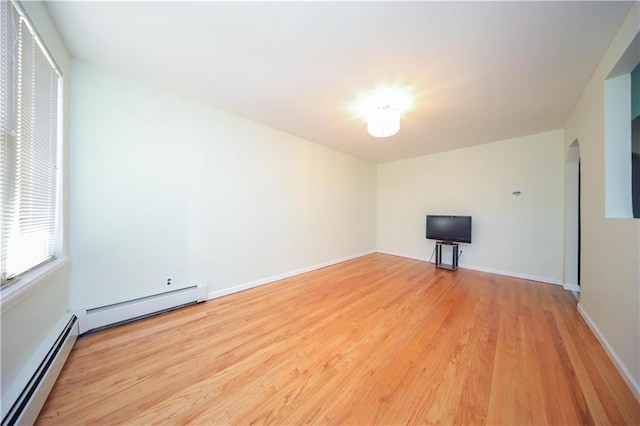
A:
131, 310
27, 406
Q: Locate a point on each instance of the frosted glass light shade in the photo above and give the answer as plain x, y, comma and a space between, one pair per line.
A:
383, 122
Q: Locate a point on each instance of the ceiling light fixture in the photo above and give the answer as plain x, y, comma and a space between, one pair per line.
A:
382, 109
383, 121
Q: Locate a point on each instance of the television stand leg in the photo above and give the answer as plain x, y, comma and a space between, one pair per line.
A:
454, 256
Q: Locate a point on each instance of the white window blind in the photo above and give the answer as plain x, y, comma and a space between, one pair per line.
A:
30, 86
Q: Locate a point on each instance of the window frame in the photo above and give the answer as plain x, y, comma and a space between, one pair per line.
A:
27, 281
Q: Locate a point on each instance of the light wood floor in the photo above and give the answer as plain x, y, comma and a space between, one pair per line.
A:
376, 340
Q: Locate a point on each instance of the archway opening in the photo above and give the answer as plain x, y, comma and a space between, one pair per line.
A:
572, 219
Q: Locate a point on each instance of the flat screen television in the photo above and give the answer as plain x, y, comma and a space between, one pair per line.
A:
456, 229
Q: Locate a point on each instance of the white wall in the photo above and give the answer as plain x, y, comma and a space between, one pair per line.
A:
30, 317
610, 278
162, 185
514, 235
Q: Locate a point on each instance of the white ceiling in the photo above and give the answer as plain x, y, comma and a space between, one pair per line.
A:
480, 71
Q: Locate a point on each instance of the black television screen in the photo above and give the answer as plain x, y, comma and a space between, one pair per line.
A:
449, 228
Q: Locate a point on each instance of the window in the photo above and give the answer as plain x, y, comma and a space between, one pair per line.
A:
30, 88
622, 171
635, 141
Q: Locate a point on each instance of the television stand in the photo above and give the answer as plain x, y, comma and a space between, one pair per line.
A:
454, 255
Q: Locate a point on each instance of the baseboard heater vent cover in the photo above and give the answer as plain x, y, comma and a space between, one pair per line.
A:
120, 313
27, 406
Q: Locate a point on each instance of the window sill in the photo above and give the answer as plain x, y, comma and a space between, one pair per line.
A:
30, 282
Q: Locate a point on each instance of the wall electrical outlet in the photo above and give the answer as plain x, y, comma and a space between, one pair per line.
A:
168, 280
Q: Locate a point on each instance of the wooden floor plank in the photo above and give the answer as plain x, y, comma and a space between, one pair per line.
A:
376, 340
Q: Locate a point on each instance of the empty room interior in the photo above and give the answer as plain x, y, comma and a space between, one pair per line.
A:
320, 212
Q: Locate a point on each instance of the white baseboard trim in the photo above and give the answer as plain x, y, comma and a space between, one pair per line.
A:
571, 287
488, 270
408, 256
622, 369
546, 280
268, 280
